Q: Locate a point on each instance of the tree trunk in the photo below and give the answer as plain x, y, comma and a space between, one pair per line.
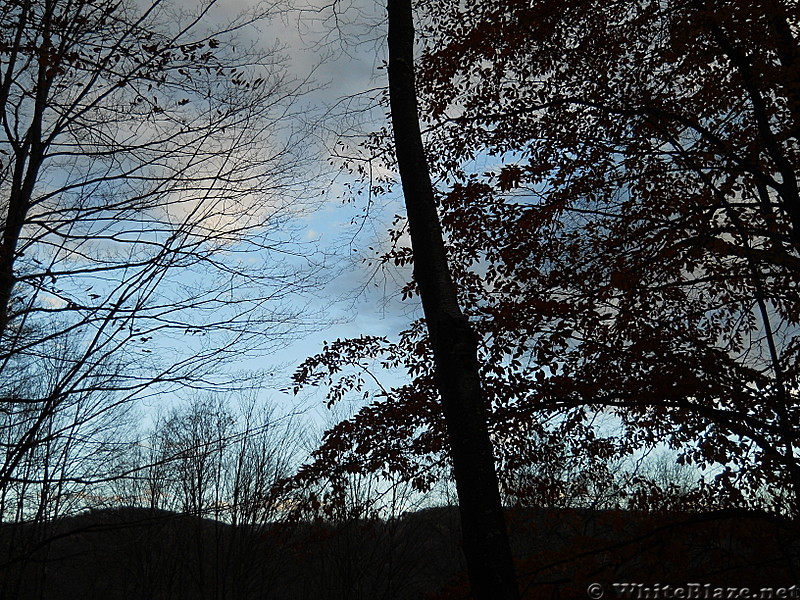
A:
485, 539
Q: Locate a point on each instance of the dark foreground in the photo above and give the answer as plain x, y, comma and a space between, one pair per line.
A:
136, 554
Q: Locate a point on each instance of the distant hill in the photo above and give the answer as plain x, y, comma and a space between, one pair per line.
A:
134, 553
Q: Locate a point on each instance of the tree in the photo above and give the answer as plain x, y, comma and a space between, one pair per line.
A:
215, 469
149, 174
453, 342
616, 184
637, 229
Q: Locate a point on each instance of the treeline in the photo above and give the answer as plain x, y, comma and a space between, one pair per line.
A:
206, 503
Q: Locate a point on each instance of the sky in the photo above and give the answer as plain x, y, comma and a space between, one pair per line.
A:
342, 51
337, 50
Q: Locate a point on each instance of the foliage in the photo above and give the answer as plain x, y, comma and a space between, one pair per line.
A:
618, 186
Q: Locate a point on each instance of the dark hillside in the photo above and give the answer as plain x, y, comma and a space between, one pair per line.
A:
138, 554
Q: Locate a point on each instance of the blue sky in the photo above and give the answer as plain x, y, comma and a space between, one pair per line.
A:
342, 51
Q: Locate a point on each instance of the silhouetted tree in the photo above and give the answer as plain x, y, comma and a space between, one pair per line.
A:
149, 176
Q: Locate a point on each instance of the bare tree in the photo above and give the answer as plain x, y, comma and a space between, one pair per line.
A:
212, 469
149, 176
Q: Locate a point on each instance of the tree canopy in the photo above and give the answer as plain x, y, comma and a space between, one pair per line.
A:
619, 194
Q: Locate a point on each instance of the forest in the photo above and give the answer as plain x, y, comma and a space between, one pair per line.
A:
402, 300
